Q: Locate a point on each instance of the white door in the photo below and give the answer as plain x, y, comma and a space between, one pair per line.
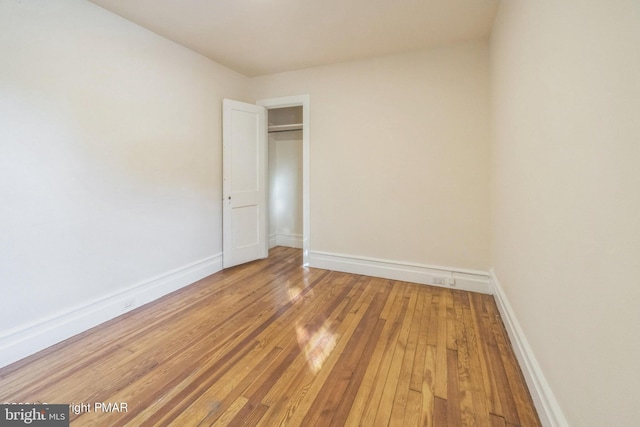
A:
244, 179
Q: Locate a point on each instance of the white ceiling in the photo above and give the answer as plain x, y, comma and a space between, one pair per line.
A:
256, 37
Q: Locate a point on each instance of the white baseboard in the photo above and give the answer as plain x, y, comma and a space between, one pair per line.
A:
24, 341
290, 240
454, 278
546, 404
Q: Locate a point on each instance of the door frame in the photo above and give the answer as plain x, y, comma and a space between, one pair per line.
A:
298, 101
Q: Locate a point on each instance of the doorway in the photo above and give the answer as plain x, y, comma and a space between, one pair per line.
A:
288, 175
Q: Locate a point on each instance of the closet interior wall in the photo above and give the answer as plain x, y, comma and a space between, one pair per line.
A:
285, 177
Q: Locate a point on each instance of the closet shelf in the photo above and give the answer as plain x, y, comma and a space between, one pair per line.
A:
285, 128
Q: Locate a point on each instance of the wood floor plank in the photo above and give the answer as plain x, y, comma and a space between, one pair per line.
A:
526, 413
293, 408
404, 378
387, 351
286, 337
468, 413
451, 321
275, 382
428, 395
249, 415
440, 413
228, 390
421, 344
368, 398
326, 404
485, 340
503, 389
292, 398
454, 417
390, 393
212, 367
432, 335
227, 416
344, 408
441, 377
473, 354
413, 411
391, 302
497, 421
273, 343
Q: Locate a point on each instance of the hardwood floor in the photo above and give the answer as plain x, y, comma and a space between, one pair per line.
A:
271, 343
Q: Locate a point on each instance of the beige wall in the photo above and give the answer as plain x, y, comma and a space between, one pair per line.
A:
110, 156
399, 155
565, 80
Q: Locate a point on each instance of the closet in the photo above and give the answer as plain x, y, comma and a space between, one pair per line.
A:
285, 214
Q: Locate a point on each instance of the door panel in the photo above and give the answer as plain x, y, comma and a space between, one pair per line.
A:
248, 235
245, 149
244, 181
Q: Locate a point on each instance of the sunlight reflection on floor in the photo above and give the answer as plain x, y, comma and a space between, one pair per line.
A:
317, 346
